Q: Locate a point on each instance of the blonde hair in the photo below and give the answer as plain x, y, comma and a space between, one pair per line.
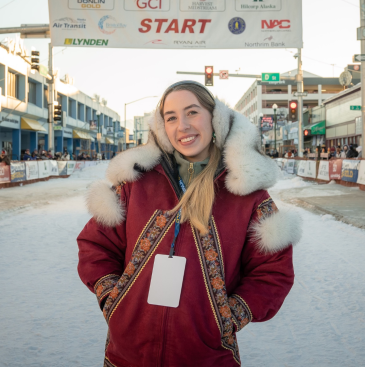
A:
197, 202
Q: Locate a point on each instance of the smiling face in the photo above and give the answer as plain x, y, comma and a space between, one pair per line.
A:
188, 125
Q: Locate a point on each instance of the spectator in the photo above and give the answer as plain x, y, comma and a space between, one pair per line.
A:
113, 155
73, 157
27, 156
4, 157
65, 156
345, 151
44, 155
338, 153
58, 156
352, 153
35, 155
49, 154
103, 157
275, 154
359, 151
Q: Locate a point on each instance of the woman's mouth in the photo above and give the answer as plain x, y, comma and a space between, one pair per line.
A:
188, 140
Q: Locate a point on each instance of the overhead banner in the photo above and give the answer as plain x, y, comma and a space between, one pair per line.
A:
176, 24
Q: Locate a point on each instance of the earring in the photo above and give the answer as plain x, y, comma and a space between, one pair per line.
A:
213, 137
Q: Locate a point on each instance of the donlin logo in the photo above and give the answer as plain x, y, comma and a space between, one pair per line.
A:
271, 24
91, 4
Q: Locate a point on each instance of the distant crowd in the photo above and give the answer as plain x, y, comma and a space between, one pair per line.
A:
346, 151
46, 155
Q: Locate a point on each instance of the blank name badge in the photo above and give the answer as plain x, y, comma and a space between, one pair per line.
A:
166, 281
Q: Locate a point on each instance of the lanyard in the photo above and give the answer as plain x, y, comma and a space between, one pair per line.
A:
177, 221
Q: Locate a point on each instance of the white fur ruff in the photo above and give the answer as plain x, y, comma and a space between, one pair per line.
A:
280, 230
104, 205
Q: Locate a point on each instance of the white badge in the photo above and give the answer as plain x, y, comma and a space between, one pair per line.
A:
166, 281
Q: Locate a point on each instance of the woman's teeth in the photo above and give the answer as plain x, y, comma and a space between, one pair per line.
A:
188, 139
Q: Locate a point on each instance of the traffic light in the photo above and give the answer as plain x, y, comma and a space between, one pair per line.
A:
307, 132
34, 61
209, 76
293, 111
57, 112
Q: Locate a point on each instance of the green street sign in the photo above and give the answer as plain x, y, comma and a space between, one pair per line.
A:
270, 77
57, 127
43, 70
319, 128
355, 108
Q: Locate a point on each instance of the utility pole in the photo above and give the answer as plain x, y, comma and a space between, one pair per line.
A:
362, 24
300, 88
51, 89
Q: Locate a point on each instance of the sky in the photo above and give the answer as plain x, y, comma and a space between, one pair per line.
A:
124, 75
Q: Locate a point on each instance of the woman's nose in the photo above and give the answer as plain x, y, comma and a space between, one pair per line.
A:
183, 123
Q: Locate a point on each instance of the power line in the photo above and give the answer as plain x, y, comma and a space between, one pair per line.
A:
7, 4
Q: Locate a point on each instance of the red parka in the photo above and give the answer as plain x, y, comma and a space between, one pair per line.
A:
241, 271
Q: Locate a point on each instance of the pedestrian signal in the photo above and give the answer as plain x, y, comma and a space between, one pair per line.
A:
293, 111
209, 76
34, 61
57, 112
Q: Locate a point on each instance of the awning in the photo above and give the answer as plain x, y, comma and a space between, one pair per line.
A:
109, 141
82, 135
29, 124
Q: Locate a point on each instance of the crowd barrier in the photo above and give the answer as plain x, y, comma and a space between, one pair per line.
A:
350, 172
33, 171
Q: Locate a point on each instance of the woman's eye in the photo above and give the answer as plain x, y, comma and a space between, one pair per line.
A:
192, 113
171, 119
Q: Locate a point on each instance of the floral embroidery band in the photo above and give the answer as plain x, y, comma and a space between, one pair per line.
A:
118, 189
240, 311
107, 363
147, 243
104, 286
266, 209
212, 265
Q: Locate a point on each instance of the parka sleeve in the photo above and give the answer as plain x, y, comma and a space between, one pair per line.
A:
267, 272
101, 256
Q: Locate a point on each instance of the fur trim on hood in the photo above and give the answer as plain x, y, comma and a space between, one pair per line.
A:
248, 169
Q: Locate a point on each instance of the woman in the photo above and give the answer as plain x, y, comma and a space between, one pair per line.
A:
236, 244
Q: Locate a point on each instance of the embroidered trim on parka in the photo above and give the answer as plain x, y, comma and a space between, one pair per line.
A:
148, 241
211, 259
104, 286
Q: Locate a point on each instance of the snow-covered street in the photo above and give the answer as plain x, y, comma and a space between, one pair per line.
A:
49, 318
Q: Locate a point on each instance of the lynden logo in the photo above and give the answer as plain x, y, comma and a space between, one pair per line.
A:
91, 4
271, 24
85, 42
147, 5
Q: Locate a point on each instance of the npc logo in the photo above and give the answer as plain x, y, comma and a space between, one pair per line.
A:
237, 25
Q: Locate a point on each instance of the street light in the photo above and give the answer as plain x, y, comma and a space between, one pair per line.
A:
261, 115
98, 136
275, 106
125, 116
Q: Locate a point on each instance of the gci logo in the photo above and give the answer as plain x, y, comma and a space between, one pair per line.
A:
151, 4
271, 24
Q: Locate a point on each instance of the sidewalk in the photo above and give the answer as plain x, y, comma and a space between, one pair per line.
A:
346, 204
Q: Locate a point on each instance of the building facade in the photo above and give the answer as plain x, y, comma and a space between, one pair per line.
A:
344, 124
24, 112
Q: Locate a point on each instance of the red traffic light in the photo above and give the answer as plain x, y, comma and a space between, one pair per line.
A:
293, 105
209, 70
306, 132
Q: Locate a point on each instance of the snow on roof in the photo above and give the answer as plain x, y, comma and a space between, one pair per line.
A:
343, 93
